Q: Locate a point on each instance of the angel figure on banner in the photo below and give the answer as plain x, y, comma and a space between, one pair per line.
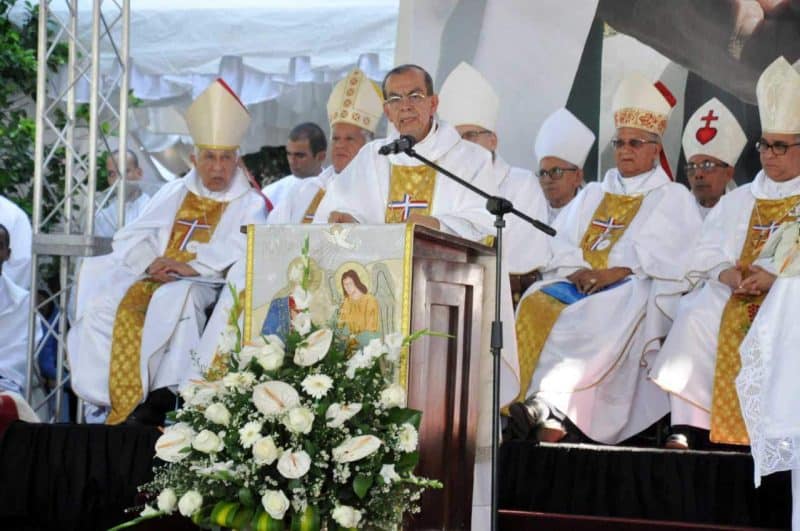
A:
282, 307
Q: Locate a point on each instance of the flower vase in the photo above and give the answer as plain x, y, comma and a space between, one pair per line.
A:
308, 520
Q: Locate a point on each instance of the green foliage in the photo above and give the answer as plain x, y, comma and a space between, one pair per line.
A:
17, 94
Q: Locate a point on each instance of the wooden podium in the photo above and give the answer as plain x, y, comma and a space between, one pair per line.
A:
449, 276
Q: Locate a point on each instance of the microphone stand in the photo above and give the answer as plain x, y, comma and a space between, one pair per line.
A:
498, 206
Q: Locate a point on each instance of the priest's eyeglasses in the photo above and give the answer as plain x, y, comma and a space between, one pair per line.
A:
704, 166
554, 173
414, 98
778, 148
634, 143
473, 135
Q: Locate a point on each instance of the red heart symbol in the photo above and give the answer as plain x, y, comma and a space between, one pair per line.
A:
705, 135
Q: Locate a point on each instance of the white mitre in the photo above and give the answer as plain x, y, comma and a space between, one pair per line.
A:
217, 119
714, 131
356, 100
563, 136
641, 104
467, 98
778, 94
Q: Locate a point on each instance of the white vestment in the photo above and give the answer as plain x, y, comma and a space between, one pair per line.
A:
362, 189
686, 364
278, 191
18, 267
525, 248
592, 367
703, 210
175, 315
14, 308
105, 221
293, 207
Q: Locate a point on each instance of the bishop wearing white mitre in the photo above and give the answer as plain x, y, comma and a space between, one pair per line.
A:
700, 358
587, 331
141, 309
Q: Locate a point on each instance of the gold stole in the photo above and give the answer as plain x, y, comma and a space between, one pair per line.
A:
410, 190
538, 312
727, 425
308, 217
195, 221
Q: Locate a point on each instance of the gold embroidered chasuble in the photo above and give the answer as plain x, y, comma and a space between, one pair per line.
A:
539, 311
410, 190
308, 217
727, 425
194, 223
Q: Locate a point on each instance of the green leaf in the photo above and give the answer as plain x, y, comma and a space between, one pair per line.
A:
405, 415
407, 463
246, 497
361, 485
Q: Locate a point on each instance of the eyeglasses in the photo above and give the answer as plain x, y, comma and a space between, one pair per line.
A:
473, 135
634, 143
704, 166
554, 173
415, 98
778, 148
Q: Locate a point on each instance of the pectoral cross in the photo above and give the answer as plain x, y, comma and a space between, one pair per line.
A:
765, 231
407, 204
193, 226
608, 225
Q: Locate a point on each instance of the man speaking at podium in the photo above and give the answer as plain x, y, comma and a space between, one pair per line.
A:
398, 188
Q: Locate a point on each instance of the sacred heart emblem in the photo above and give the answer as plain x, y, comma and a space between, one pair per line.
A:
705, 135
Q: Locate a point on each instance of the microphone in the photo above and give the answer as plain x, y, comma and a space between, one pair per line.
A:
400, 145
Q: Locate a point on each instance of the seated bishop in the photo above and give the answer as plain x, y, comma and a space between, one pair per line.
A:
562, 145
141, 309
712, 143
398, 188
586, 332
354, 111
700, 358
470, 104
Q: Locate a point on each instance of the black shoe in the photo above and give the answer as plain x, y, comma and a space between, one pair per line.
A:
153, 411
526, 417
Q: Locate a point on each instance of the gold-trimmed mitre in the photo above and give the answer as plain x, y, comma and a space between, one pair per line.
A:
778, 94
639, 104
356, 100
217, 119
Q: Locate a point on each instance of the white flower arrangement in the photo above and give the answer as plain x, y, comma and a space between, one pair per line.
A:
308, 428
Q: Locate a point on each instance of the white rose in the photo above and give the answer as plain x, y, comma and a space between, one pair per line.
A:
207, 442
274, 397
407, 438
227, 340
270, 357
170, 446
389, 474
394, 345
275, 503
337, 414
393, 396
314, 348
250, 433
302, 323
301, 297
359, 360
299, 420
167, 500
239, 380
346, 516
264, 451
247, 353
356, 448
190, 503
375, 349
317, 385
218, 414
293, 465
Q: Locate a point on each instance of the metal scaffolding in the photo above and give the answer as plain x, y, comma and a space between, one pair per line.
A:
64, 203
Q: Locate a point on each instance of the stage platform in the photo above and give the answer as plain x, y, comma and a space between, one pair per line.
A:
79, 477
